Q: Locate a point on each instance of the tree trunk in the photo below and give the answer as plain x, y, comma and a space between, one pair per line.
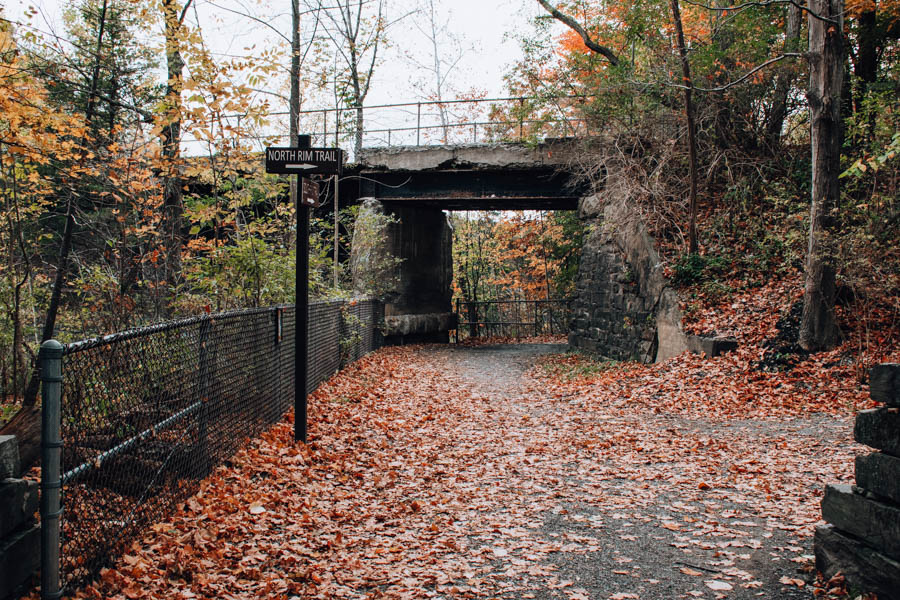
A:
818, 327
170, 138
26, 425
866, 66
783, 81
357, 145
693, 247
294, 100
30, 396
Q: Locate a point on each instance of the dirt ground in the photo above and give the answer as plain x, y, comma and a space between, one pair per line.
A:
454, 472
630, 522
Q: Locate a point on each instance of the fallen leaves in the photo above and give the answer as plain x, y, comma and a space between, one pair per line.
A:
441, 472
792, 581
719, 586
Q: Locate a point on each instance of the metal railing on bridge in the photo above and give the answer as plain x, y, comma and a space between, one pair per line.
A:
443, 122
437, 122
512, 318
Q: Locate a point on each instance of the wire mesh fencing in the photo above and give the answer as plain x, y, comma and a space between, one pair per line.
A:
146, 414
512, 318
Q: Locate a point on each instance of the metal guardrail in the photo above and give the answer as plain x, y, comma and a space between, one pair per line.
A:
414, 123
133, 421
510, 129
521, 126
512, 318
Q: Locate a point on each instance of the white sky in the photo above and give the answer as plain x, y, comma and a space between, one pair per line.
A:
487, 27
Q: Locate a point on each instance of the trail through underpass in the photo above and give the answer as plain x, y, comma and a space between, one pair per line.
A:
470, 472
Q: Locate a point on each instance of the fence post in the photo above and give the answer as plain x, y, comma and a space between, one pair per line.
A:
203, 426
418, 122
50, 365
521, 118
550, 312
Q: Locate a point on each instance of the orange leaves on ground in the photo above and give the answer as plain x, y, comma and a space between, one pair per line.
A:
469, 473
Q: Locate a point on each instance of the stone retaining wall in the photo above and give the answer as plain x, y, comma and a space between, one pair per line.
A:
624, 308
20, 536
610, 317
862, 537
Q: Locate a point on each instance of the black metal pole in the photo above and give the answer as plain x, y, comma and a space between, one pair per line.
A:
301, 317
50, 361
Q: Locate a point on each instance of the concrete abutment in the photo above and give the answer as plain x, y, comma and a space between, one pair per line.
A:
623, 307
404, 255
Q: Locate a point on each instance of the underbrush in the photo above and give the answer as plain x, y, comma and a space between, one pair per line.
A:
7, 412
747, 281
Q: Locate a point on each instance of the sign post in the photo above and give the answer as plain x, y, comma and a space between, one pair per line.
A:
301, 161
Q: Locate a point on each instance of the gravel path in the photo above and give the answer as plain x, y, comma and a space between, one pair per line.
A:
630, 520
441, 472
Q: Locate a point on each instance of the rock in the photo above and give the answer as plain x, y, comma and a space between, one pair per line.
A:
20, 557
590, 207
671, 339
877, 523
879, 428
866, 569
711, 346
419, 324
18, 503
884, 383
879, 473
9, 456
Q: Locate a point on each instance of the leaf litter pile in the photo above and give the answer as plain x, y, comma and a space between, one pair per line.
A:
517, 472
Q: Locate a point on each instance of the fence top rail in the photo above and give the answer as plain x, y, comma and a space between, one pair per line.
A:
437, 102
468, 302
138, 332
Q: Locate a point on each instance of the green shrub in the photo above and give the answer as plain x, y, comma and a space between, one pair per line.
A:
694, 268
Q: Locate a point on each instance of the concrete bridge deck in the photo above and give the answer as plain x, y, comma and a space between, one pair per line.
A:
508, 176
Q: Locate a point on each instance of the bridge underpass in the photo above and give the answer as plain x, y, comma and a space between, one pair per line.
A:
415, 186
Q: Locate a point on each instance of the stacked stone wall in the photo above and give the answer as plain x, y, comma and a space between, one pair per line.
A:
861, 539
610, 317
624, 308
20, 536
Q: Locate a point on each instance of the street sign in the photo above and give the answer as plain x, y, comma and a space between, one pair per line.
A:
304, 161
309, 194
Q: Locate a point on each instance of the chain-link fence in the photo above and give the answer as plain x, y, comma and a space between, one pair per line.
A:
147, 413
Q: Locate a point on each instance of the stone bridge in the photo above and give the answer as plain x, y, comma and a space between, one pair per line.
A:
415, 185
623, 308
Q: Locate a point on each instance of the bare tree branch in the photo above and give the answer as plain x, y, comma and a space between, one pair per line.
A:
761, 4
740, 79
577, 28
